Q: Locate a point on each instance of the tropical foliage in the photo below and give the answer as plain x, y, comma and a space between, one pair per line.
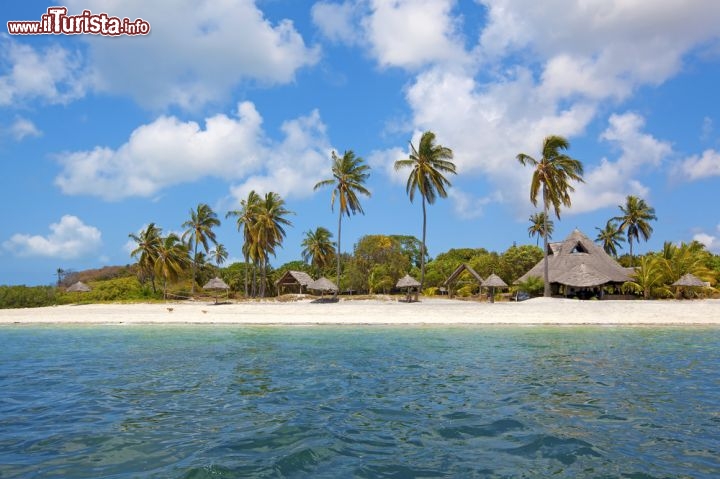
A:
199, 231
635, 220
318, 248
429, 163
552, 176
349, 176
538, 223
610, 238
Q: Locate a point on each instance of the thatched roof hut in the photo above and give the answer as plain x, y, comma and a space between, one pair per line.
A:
493, 281
578, 264
323, 285
690, 280
297, 280
79, 287
455, 276
407, 281
217, 284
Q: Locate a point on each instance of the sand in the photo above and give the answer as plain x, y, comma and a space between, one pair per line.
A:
379, 311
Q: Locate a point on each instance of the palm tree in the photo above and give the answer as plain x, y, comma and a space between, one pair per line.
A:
428, 162
553, 172
171, 260
349, 175
199, 231
318, 247
246, 217
610, 237
219, 255
268, 230
536, 228
635, 219
148, 241
650, 278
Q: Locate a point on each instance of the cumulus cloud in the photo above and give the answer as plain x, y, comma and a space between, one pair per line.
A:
23, 128
698, 167
70, 238
169, 151
338, 21
52, 74
711, 242
196, 53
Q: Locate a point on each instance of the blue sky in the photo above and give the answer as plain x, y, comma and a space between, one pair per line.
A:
100, 136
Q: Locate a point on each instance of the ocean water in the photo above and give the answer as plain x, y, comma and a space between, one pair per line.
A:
342, 402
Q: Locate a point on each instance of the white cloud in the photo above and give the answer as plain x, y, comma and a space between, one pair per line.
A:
169, 151
338, 21
68, 239
196, 53
711, 242
52, 74
468, 206
699, 167
608, 183
23, 128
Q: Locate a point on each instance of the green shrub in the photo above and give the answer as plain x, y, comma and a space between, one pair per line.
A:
27, 296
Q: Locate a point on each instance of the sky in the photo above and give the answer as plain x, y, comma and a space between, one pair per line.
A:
101, 135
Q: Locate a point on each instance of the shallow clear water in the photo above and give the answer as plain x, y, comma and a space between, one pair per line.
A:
395, 402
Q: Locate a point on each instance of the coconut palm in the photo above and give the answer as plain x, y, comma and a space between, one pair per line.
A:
199, 231
246, 216
349, 175
553, 173
171, 259
610, 237
148, 241
428, 162
219, 255
650, 278
636, 215
268, 230
538, 221
318, 247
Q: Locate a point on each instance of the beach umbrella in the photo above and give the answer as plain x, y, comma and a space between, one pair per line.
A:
79, 287
216, 284
323, 285
493, 281
408, 282
690, 280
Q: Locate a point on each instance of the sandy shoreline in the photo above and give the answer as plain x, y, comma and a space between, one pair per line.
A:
428, 311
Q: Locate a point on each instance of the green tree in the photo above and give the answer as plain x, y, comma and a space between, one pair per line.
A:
349, 176
650, 278
198, 231
245, 219
538, 222
219, 255
171, 260
268, 231
318, 248
610, 237
148, 242
552, 176
635, 220
428, 163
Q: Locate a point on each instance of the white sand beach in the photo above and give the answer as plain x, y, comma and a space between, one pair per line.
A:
379, 311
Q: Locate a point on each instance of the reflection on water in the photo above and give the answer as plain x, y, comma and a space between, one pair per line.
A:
221, 401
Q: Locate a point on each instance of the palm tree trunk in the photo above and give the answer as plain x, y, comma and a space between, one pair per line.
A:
194, 269
247, 267
422, 250
546, 271
338, 250
632, 258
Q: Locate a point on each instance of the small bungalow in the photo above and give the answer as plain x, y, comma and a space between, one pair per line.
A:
457, 278
295, 281
579, 267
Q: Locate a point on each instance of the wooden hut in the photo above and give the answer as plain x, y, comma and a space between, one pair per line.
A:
579, 267
456, 275
407, 282
323, 285
293, 281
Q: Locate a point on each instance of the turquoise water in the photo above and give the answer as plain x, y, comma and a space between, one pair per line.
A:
394, 402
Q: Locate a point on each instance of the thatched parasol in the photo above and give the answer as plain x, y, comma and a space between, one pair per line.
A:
323, 285
408, 282
79, 287
690, 280
493, 281
216, 284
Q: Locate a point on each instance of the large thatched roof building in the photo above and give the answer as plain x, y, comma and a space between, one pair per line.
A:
579, 265
293, 280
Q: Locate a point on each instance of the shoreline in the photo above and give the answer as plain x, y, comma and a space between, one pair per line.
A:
429, 311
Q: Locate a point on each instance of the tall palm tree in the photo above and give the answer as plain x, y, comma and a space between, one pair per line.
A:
634, 221
318, 247
537, 226
349, 175
148, 241
428, 162
553, 173
610, 237
171, 260
199, 231
246, 217
219, 254
269, 230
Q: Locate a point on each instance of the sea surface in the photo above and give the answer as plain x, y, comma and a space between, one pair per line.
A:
349, 401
